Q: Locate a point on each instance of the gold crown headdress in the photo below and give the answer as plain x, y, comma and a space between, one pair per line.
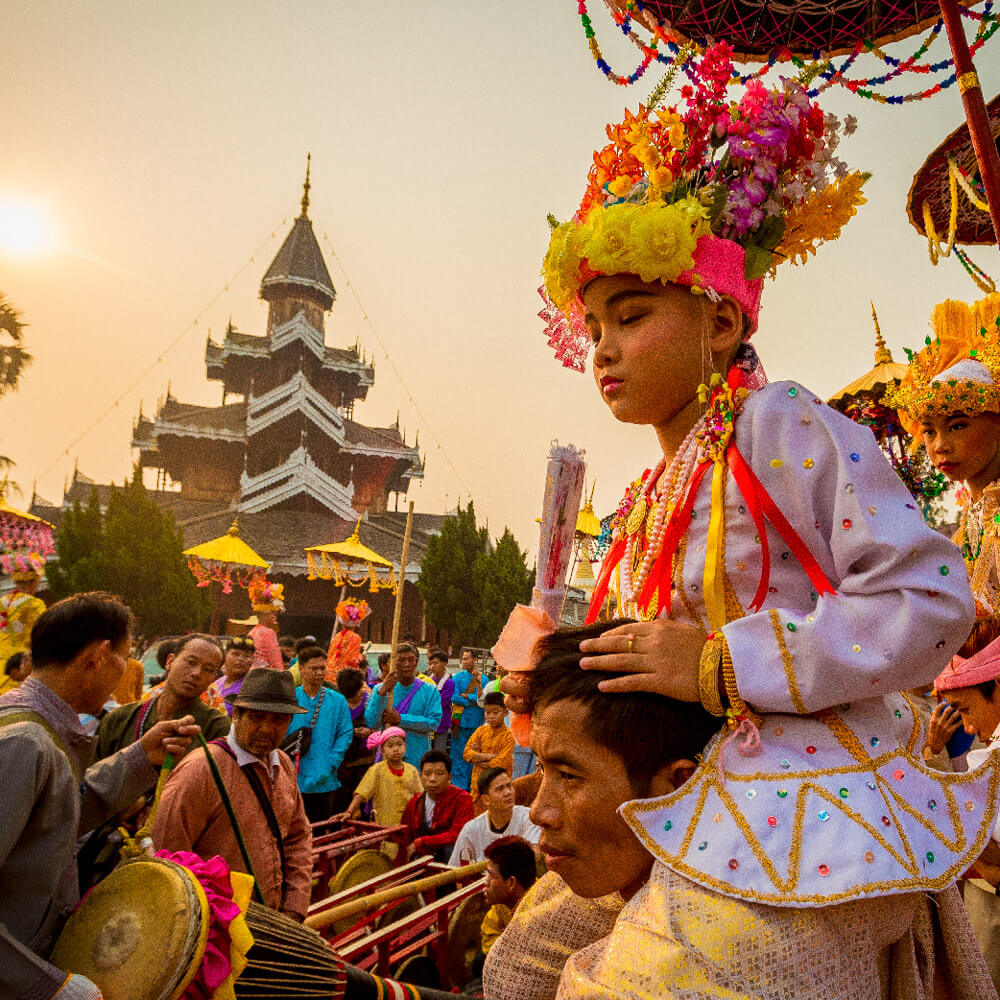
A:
958, 369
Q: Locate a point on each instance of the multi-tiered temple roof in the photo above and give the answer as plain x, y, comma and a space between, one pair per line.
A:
290, 442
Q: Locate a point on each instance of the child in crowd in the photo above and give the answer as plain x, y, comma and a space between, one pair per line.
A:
510, 872
389, 784
491, 745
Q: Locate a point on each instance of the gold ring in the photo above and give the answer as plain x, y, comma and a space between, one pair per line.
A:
631, 640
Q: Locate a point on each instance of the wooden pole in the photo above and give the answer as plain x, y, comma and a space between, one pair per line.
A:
377, 899
398, 612
975, 110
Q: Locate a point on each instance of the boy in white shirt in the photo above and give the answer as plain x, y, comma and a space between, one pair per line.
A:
501, 819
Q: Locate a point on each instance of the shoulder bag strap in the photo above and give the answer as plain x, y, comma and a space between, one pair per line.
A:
14, 715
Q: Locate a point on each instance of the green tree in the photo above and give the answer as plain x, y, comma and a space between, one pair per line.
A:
507, 581
136, 551
469, 586
79, 564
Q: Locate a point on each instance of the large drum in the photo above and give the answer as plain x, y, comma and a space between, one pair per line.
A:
141, 934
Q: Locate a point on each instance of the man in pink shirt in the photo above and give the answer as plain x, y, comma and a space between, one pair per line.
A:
262, 785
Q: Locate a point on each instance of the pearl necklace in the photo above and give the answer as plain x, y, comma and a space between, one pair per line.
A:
676, 479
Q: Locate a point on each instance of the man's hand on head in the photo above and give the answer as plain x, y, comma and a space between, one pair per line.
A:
516, 689
172, 736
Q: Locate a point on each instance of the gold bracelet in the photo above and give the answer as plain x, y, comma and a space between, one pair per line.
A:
736, 703
708, 675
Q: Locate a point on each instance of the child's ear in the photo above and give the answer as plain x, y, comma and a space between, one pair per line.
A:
671, 776
727, 331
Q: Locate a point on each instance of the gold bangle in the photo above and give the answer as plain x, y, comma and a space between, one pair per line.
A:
736, 704
708, 675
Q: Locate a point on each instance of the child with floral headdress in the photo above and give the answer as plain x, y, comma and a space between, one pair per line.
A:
345, 643
20, 608
780, 573
949, 401
267, 599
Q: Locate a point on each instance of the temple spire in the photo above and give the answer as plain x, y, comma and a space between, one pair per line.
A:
882, 353
305, 189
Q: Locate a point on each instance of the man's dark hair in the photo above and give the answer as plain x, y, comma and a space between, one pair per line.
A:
487, 778
515, 859
437, 653
301, 644
408, 647
67, 628
986, 689
493, 698
645, 730
179, 645
163, 650
310, 653
349, 681
383, 659
13, 663
436, 757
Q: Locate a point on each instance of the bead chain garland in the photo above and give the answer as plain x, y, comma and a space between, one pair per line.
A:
676, 480
987, 26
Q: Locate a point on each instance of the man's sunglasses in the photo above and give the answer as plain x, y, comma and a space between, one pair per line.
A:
241, 642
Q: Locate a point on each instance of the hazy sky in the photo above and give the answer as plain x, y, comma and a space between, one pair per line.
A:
167, 141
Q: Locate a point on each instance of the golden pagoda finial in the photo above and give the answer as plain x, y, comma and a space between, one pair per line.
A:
234, 528
883, 356
305, 189
354, 536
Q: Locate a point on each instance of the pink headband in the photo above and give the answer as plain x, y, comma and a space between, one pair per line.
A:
377, 739
978, 669
720, 265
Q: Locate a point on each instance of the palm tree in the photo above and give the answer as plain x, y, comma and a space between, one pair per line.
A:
13, 356
13, 359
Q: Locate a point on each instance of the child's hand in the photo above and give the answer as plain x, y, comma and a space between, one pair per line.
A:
658, 657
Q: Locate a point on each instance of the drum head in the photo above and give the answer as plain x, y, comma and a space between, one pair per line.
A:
418, 970
404, 908
356, 870
140, 934
465, 938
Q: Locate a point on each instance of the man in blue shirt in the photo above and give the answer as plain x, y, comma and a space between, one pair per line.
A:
416, 705
328, 717
468, 689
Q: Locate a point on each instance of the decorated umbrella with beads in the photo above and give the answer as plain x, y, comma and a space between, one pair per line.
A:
351, 564
25, 540
818, 31
862, 402
947, 201
224, 562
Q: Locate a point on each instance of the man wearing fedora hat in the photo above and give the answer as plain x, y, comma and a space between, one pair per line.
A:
261, 783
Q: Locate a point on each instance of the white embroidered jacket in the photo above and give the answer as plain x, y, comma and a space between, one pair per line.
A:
839, 805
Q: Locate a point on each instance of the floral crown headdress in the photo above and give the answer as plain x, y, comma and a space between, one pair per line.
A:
958, 369
267, 596
25, 568
713, 197
351, 612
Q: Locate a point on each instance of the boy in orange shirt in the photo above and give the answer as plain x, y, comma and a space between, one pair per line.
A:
491, 745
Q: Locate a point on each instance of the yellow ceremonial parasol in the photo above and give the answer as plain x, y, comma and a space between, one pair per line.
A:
225, 561
351, 563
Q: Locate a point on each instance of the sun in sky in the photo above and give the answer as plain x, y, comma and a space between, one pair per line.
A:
24, 227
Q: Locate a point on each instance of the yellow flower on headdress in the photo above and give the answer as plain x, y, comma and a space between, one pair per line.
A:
819, 219
610, 247
561, 268
664, 239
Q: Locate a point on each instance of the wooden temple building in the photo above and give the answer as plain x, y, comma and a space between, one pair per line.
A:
284, 453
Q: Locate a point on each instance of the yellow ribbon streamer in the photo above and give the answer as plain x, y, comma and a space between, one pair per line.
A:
715, 570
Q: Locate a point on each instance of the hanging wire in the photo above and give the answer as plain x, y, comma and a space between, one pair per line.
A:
161, 355
392, 364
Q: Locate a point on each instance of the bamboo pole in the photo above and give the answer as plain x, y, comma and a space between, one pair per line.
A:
398, 612
357, 906
975, 110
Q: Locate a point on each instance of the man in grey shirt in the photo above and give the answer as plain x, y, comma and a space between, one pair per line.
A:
49, 796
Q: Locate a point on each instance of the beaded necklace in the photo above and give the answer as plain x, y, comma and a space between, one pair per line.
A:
972, 523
